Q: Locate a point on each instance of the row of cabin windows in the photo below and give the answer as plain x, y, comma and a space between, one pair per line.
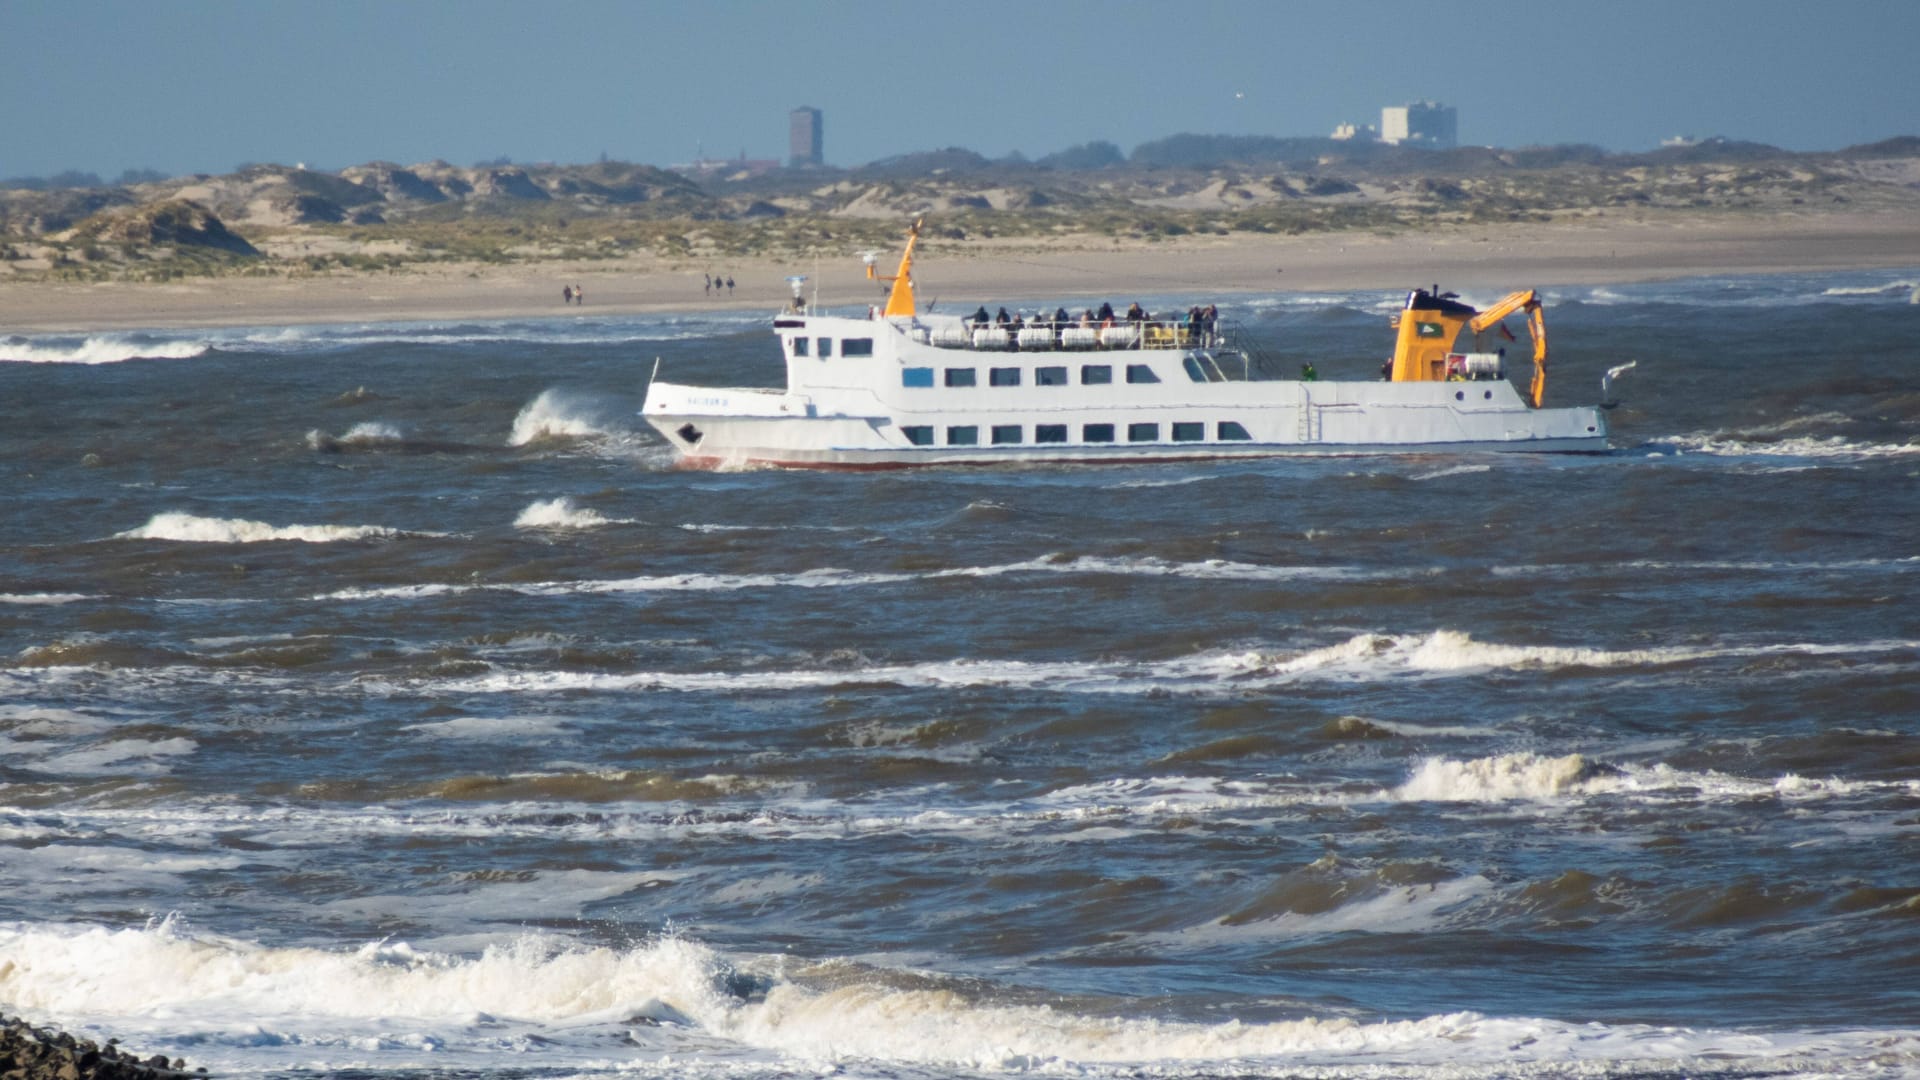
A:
1015, 434
1090, 375
823, 347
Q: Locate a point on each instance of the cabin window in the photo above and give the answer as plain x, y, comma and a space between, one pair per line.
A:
1231, 431
1096, 433
1141, 373
963, 436
799, 346
1049, 433
1189, 432
1049, 376
960, 376
1194, 370
916, 376
856, 346
1143, 432
1003, 376
1096, 374
918, 434
1006, 434
825, 347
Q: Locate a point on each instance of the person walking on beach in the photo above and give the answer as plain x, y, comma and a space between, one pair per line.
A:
709, 278
729, 284
566, 294
579, 295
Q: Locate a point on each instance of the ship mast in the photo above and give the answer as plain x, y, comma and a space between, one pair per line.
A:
900, 297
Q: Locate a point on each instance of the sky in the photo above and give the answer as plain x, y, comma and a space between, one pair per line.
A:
187, 86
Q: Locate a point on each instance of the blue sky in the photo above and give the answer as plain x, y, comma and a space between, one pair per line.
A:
203, 85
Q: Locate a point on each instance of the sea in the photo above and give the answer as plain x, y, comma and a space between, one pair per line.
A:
379, 700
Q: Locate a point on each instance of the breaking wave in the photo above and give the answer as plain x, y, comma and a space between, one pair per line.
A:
364, 434
98, 350
191, 528
562, 514
554, 415
557, 1000
1831, 448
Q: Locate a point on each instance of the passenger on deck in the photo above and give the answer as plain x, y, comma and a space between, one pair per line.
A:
979, 317
1086, 317
1209, 319
1106, 312
1002, 317
1060, 316
1135, 313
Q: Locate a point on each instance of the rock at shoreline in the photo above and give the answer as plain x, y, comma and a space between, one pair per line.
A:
34, 1053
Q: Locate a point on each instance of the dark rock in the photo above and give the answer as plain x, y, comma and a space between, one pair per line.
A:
31, 1053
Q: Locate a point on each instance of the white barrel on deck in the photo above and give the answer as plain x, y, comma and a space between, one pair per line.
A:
991, 337
1079, 337
1119, 336
952, 336
1036, 337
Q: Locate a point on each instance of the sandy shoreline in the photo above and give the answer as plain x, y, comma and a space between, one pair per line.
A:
957, 275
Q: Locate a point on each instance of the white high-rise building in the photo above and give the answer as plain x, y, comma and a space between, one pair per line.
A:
1420, 123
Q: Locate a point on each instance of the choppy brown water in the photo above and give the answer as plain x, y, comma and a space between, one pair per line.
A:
437, 723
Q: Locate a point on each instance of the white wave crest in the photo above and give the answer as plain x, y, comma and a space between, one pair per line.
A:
253, 1008
553, 415
98, 350
191, 528
1495, 779
365, 433
559, 514
1831, 448
1891, 288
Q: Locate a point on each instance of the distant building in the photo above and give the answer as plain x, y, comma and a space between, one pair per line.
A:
1679, 142
1420, 123
803, 138
1348, 132
738, 168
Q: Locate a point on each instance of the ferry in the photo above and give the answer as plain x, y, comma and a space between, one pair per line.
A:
895, 387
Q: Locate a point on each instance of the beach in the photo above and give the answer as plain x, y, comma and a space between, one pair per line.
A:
951, 274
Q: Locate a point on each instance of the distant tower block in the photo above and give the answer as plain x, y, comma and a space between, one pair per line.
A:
1421, 123
803, 138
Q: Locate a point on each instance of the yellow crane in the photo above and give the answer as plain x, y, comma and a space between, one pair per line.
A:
1432, 320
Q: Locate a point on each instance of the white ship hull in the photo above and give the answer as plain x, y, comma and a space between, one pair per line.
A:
902, 401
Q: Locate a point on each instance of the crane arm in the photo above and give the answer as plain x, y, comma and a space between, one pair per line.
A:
1529, 301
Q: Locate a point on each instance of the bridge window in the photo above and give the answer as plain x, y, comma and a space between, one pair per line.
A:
825, 347
1050, 376
1096, 374
963, 436
1189, 432
1096, 433
799, 346
1003, 376
1194, 370
1049, 433
916, 376
1143, 432
856, 346
960, 376
918, 434
1006, 434
1141, 373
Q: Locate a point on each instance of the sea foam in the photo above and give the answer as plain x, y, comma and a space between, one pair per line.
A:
192, 528
554, 415
392, 1005
98, 350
